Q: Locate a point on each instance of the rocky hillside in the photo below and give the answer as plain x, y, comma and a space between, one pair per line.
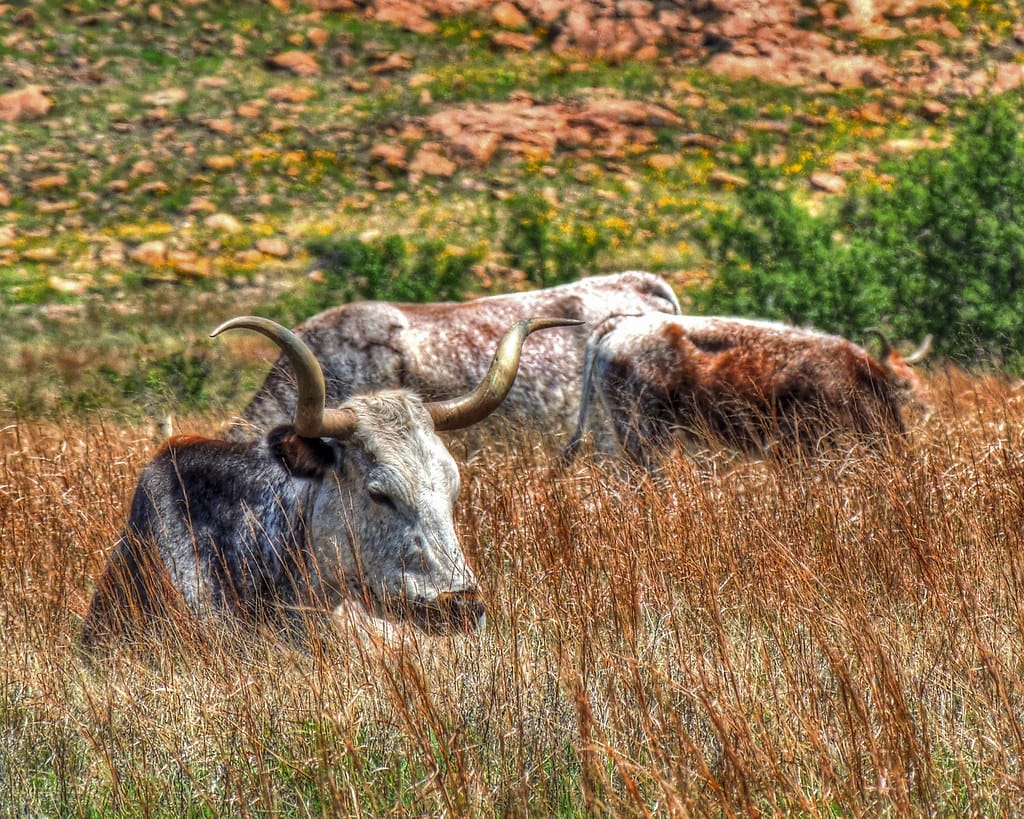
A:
177, 161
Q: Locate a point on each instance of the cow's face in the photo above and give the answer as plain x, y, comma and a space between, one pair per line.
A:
381, 521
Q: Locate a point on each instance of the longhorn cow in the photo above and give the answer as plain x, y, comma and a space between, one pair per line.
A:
754, 386
439, 350
346, 504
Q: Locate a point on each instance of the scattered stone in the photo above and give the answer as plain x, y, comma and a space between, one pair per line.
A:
399, 61
726, 179
506, 15
24, 104
42, 255
856, 71
828, 182
189, 263
219, 162
248, 258
66, 287
211, 82
152, 253
318, 36
273, 247
63, 206
158, 188
405, 14
908, 146
663, 162
249, 110
300, 63
113, 255
481, 147
201, 204
220, 125
431, 163
223, 221
144, 167
165, 97
50, 182
290, 93
933, 109
389, 155
515, 41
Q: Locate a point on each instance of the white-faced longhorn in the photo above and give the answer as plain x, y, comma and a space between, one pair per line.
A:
352, 503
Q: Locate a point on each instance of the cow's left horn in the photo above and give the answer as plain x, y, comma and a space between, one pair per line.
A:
311, 420
476, 405
883, 338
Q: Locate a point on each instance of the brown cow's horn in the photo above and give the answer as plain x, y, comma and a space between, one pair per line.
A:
476, 405
919, 354
311, 421
883, 338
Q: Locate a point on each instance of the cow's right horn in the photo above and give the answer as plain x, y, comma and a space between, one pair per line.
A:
477, 404
921, 352
311, 420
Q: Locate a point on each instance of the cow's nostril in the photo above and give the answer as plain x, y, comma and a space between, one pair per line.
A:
464, 609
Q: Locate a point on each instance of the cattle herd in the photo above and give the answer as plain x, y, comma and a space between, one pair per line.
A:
333, 488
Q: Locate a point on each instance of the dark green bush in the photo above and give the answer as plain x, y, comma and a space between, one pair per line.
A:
548, 250
177, 380
941, 252
392, 268
389, 268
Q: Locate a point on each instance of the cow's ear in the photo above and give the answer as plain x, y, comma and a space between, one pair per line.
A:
302, 457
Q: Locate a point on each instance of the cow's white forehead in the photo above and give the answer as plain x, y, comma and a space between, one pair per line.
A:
396, 429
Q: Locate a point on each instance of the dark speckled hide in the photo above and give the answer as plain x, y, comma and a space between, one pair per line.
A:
273, 530
753, 386
442, 350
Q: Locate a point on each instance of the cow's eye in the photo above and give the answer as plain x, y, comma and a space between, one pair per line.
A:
383, 498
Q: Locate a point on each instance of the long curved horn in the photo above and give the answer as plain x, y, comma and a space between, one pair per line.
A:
480, 402
883, 338
919, 354
311, 420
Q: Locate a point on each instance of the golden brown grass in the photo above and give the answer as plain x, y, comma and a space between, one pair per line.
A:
841, 638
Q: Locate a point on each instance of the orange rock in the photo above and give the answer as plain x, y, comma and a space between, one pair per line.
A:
290, 93
45, 183
388, 154
300, 63
273, 247
507, 15
26, 103
431, 163
514, 40
481, 146
828, 182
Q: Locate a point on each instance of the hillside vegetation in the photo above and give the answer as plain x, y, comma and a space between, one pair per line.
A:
165, 165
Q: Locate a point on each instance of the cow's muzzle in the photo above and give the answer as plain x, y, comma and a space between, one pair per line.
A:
461, 611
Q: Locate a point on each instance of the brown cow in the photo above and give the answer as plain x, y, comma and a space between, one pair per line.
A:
754, 386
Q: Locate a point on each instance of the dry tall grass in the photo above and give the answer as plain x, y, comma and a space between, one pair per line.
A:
844, 638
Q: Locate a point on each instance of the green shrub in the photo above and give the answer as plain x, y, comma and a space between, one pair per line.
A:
941, 252
549, 250
391, 268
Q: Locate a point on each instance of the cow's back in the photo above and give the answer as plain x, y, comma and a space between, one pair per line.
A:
443, 349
